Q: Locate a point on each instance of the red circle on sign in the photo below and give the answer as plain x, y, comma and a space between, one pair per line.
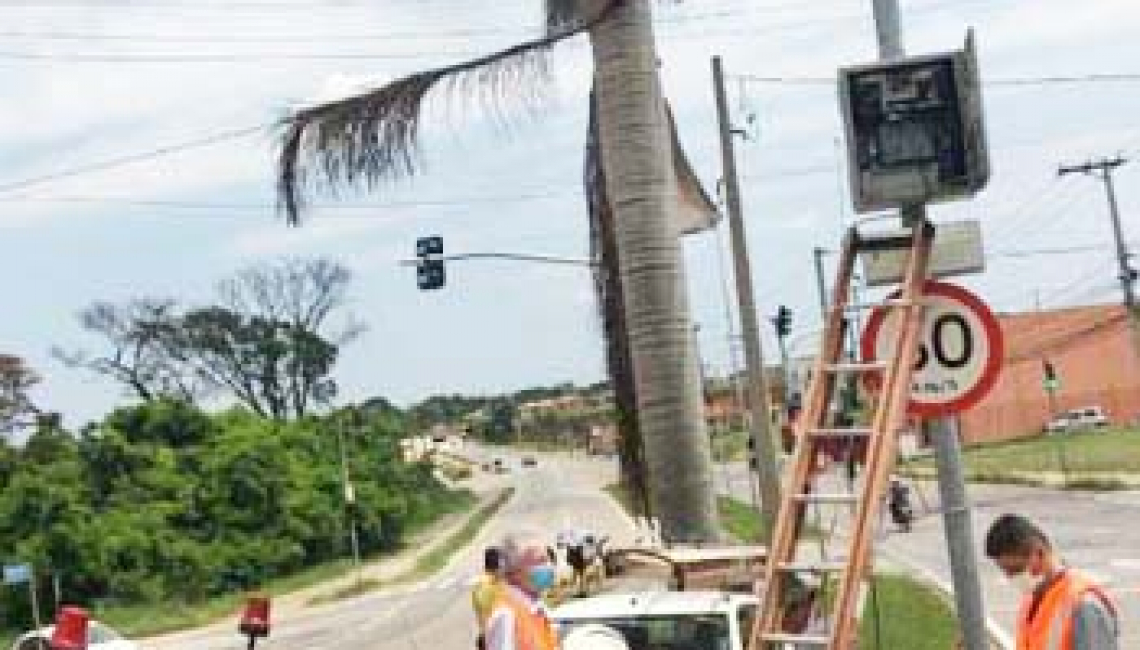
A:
990, 371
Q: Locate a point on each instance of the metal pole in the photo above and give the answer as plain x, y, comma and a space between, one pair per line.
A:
821, 283
948, 453
956, 520
760, 426
35, 598
349, 496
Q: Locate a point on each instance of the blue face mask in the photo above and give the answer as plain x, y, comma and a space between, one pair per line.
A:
542, 577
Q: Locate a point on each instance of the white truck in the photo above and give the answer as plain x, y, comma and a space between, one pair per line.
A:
668, 599
672, 620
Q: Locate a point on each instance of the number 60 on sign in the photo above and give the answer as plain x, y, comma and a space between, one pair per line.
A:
960, 350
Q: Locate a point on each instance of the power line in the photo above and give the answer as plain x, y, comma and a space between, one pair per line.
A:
228, 57
129, 159
1105, 77
264, 207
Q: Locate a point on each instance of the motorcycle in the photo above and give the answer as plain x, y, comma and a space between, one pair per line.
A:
899, 502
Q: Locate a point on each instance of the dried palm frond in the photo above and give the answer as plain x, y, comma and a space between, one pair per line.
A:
372, 137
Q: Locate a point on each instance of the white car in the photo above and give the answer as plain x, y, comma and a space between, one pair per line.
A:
99, 637
709, 620
1090, 417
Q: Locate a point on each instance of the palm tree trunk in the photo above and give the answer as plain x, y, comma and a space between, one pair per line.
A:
641, 185
611, 307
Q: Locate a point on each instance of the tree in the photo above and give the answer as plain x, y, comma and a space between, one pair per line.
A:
269, 342
372, 137
303, 292
141, 337
16, 407
274, 367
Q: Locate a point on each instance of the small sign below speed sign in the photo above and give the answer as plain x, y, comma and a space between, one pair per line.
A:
960, 349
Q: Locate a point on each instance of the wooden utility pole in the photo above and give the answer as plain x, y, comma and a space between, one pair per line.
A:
760, 422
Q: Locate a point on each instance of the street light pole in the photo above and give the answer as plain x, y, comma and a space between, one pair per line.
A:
760, 425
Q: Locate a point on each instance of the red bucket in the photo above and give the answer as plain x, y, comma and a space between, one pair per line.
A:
70, 629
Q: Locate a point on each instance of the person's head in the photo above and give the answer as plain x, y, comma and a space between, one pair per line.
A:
1021, 551
493, 560
526, 563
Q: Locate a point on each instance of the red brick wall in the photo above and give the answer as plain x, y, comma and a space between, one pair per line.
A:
1091, 350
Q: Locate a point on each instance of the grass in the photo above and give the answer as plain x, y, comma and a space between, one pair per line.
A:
1088, 459
431, 562
911, 615
730, 446
148, 619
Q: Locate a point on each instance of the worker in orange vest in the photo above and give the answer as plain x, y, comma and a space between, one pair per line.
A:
518, 620
1062, 609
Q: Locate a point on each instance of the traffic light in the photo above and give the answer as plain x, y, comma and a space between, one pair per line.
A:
430, 273
783, 321
915, 130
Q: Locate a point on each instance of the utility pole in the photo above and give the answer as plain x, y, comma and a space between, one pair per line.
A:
948, 453
1103, 170
759, 424
820, 282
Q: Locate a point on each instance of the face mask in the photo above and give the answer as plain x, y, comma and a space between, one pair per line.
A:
1026, 582
542, 577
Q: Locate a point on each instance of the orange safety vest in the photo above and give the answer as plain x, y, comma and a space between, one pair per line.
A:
1051, 627
533, 630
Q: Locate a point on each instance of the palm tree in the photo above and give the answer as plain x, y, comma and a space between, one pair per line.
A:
371, 137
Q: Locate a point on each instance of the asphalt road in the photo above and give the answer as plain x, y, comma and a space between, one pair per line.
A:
559, 493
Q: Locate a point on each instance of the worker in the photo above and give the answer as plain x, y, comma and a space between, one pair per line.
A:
1062, 609
518, 620
486, 591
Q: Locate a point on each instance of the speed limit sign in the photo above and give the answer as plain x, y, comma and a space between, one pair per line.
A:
960, 349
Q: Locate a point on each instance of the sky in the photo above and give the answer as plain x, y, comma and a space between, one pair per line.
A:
92, 85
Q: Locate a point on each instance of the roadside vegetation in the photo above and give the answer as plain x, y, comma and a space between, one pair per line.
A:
1096, 460
161, 515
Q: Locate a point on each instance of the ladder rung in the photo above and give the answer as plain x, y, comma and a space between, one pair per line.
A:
841, 433
805, 639
885, 241
823, 497
883, 304
876, 366
812, 567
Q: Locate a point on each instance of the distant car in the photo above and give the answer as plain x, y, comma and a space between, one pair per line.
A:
99, 637
529, 461
1089, 417
500, 466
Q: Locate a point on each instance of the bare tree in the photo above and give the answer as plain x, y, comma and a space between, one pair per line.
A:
302, 293
141, 338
